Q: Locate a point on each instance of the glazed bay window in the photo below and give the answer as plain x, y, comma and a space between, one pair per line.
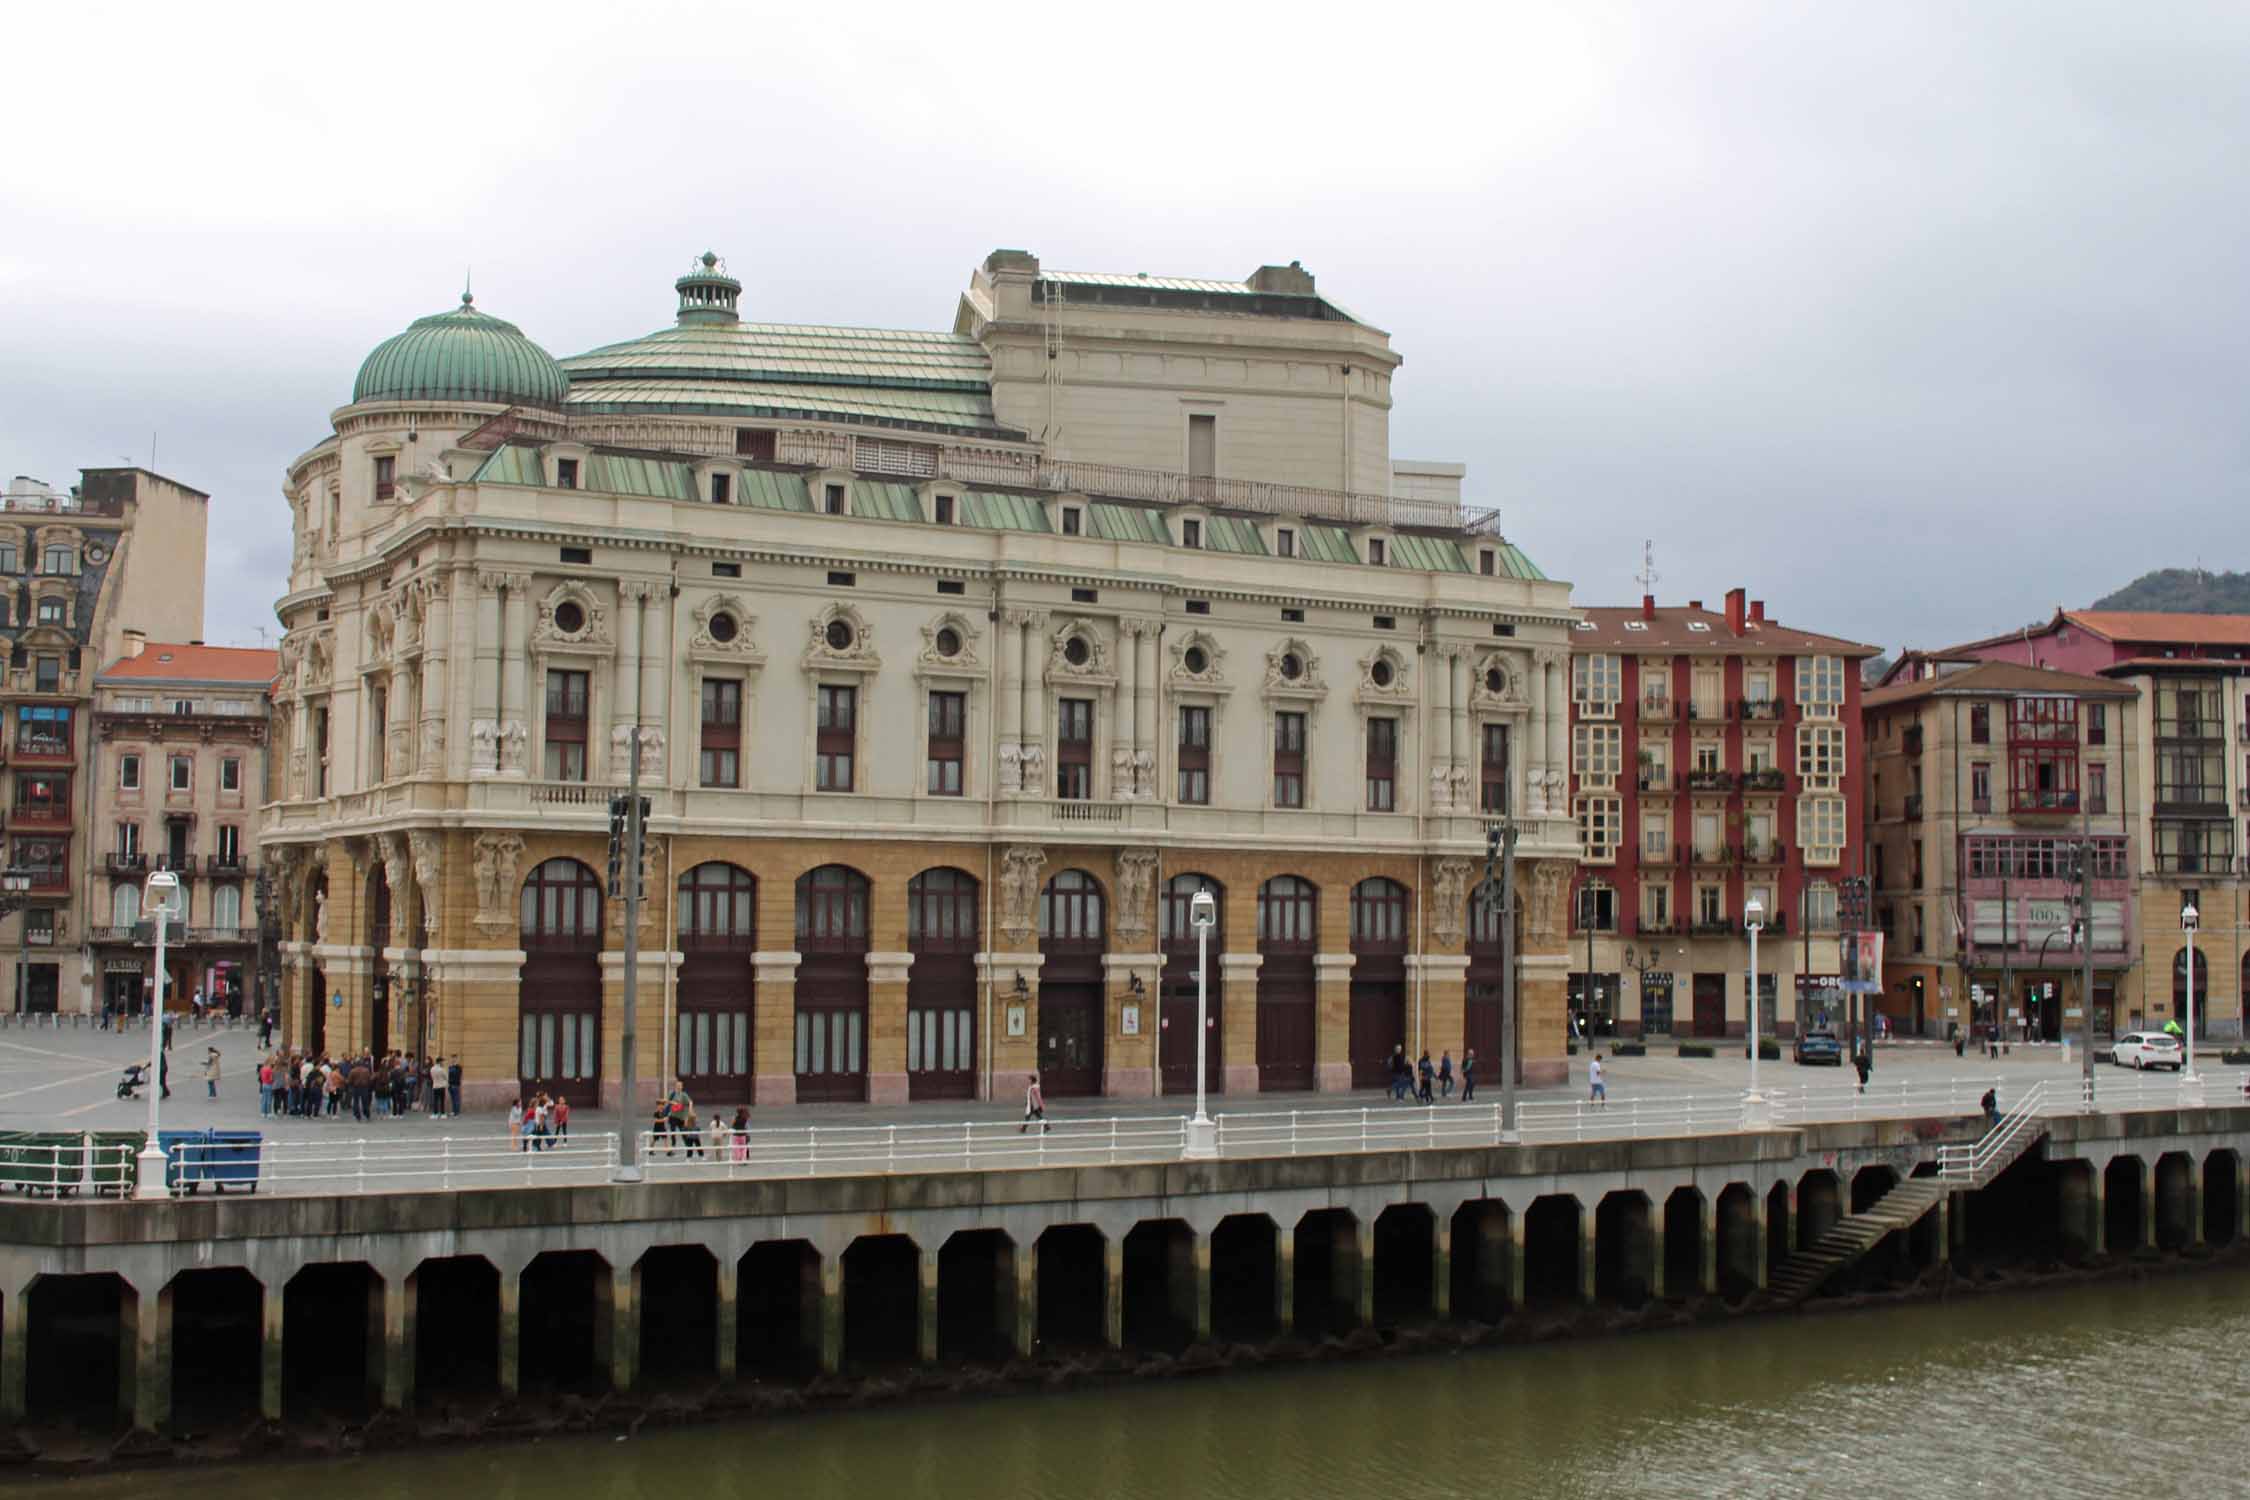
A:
1074, 749
836, 740
1382, 765
1599, 822
1289, 760
1597, 753
1820, 685
42, 729
1195, 755
1492, 770
1820, 829
719, 762
1820, 755
1594, 683
949, 715
566, 726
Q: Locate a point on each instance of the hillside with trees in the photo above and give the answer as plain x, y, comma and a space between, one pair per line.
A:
2186, 591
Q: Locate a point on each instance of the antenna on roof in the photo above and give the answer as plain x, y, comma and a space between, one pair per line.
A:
1648, 574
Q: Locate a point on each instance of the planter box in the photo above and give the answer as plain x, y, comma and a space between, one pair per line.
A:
1768, 1051
1696, 1049
1629, 1049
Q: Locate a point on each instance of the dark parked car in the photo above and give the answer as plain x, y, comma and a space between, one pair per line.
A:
1820, 1047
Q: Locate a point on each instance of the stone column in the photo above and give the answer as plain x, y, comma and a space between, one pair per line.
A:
2097, 1212
1707, 1247
15, 1351
625, 687
1558, 721
1285, 1277
831, 1312
1758, 1238
1036, 778
657, 672
1147, 738
1010, 704
1129, 1062
1440, 682
1113, 1290
484, 678
1589, 1219
511, 1330
461, 670
727, 1320
2195, 1200
1025, 1331
1443, 979
648, 1020
515, 666
1363, 1272
1125, 733
1236, 979
774, 1028
1004, 1058
925, 1305
270, 1306
1332, 1021
152, 1358
1464, 748
886, 1028
1441, 1263
437, 642
398, 1298
624, 1327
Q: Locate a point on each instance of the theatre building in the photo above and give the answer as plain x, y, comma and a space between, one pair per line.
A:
958, 661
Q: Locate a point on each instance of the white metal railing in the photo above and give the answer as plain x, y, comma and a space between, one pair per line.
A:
107, 1163
811, 1150
1975, 1161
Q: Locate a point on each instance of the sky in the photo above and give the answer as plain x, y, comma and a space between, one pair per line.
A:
1914, 319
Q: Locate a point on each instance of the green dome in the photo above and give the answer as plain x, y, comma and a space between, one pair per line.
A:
461, 355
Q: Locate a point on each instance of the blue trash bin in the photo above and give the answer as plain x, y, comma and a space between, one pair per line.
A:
185, 1153
231, 1159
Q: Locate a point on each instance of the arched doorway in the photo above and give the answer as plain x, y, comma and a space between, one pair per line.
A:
832, 985
2202, 990
379, 979
1378, 1004
1288, 937
1176, 1036
718, 905
942, 929
1071, 929
559, 1000
1484, 984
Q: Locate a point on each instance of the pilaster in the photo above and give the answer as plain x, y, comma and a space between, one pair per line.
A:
1238, 1020
1129, 1062
1332, 1060
774, 1027
886, 1027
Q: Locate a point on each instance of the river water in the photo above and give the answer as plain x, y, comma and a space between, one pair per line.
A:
2125, 1389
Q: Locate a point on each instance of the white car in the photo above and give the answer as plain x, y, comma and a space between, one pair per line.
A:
2149, 1049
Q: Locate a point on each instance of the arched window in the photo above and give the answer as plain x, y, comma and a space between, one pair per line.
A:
226, 906
831, 909
718, 906
562, 906
1484, 918
941, 912
1179, 894
1378, 916
2202, 987
1288, 913
124, 905
1070, 909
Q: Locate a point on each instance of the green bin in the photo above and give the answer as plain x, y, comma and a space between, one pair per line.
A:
113, 1160
44, 1161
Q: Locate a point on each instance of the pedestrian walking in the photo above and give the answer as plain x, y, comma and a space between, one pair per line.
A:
1402, 1074
1034, 1107
453, 1084
265, 1029
1990, 1103
515, 1124
1597, 1087
265, 1087
437, 1089
739, 1142
1469, 1075
211, 1071
1428, 1076
1863, 1061
1445, 1074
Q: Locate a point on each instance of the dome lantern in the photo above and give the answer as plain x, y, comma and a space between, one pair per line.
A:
707, 293
461, 355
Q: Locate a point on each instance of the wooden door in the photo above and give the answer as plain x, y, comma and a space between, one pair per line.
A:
942, 912
1176, 1042
559, 1000
1710, 1005
1070, 1038
714, 1047
1481, 1032
1378, 1027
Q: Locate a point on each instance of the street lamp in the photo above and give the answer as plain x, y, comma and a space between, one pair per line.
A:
160, 902
2191, 1086
1203, 915
1754, 1116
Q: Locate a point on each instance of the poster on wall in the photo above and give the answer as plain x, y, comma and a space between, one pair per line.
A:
1863, 964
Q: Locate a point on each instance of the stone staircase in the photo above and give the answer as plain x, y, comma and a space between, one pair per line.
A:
1960, 1169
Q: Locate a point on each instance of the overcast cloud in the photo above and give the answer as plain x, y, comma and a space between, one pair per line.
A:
1916, 319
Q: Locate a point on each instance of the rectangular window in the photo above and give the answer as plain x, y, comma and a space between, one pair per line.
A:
1492, 770
1656, 837
1377, 552
320, 752
1656, 907
128, 773
1191, 533
1594, 680
129, 839
183, 773
1599, 827
230, 774
1820, 755
722, 489
1486, 562
9, 563
1596, 752
1914, 863
949, 715
1382, 765
47, 674
837, 739
1980, 786
1202, 445
42, 729
566, 726
944, 508
1921, 934
1070, 520
755, 443
230, 844
2097, 789
2097, 723
1195, 755
1289, 760
1980, 723
2043, 778
1820, 685
1284, 542
566, 473
53, 610
1074, 749
386, 476
1820, 828
1710, 906
720, 760
832, 499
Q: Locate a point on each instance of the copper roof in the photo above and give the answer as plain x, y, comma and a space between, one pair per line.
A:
1677, 629
1998, 679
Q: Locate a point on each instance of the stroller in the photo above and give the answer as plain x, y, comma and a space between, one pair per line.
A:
129, 1086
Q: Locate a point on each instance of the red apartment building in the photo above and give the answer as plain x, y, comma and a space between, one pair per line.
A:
1716, 757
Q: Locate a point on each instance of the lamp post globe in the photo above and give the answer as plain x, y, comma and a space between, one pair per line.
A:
2191, 1082
1754, 1111
159, 903
1203, 915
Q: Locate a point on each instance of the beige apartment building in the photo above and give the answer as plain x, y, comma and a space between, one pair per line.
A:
1984, 776
87, 572
178, 775
959, 661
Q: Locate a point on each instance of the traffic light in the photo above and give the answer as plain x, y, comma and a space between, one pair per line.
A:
617, 818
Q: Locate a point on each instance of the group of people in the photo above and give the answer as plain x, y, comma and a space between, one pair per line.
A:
393, 1085
1422, 1081
677, 1128
540, 1123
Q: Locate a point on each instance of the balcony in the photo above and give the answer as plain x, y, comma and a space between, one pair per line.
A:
1713, 927
2034, 803
1656, 927
1657, 854
45, 813
1654, 709
1980, 804
1764, 852
2193, 801
2195, 864
57, 685
46, 877
1914, 807
1716, 855
117, 863
178, 864
1765, 779
1710, 781
227, 864
1653, 781
2199, 729
44, 748
1759, 710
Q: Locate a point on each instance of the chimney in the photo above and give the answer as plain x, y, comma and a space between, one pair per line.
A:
1736, 600
1648, 606
136, 641
1758, 610
1695, 604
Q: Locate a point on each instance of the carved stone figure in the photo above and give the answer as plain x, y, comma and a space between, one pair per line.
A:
512, 741
1011, 766
1441, 795
1543, 914
1136, 877
652, 753
1458, 778
398, 873
484, 746
297, 772
1020, 869
1121, 779
620, 750
320, 917
494, 861
1034, 768
1144, 773
426, 846
433, 744
397, 742
1451, 884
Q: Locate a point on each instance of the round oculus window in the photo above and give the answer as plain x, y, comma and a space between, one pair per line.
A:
1495, 680
948, 642
1381, 673
1291, 667
1076, 651
1196, 660
839, 635
722, 627
570, 617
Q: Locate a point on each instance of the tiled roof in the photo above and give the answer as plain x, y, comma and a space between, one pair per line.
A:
251, 666
1998, 679
1700, 632
2135, 627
